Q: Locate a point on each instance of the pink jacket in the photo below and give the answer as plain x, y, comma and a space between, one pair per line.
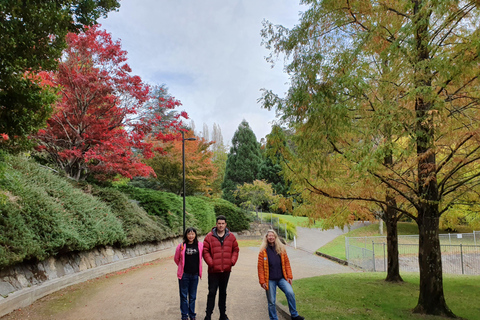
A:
180, 259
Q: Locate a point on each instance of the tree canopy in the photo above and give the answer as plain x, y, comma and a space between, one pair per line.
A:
243, 160
384, 104
256, 195
95, 130
32, 38
271, 168
200, 172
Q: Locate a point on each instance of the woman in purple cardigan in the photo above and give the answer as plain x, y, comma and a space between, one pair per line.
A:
188, 257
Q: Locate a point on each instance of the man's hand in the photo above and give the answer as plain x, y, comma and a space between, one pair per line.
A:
289, 281
264, 286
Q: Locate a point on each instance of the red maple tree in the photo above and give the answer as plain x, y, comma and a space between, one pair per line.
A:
98, 127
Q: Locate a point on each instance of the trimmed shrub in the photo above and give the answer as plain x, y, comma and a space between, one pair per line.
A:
202, 210
168, 207
44, 215
137, 224
237, 220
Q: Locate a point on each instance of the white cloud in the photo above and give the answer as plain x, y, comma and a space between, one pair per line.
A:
208, 54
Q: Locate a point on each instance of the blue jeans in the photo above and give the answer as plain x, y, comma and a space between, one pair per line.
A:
188, 294
272, 294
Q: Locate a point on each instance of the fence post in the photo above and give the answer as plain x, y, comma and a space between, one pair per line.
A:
449, 239
474, 239
373, 256
286, 238
347, 249
384, 259
295, 242
461, 258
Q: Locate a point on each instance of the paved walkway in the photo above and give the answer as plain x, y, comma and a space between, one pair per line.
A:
151, 291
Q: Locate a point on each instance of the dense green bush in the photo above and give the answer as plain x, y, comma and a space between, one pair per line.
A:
137, 224
167, 206
203, 211
44, 215
237, 220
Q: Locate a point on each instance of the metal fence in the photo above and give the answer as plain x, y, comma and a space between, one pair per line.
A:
274, 222
460, 253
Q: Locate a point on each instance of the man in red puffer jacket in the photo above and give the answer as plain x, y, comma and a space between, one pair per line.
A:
220, 252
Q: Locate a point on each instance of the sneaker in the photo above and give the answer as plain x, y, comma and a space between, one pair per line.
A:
299, 317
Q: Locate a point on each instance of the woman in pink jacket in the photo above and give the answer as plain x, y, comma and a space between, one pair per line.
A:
188, 257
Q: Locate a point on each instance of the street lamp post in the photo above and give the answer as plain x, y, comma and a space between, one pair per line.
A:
183, 167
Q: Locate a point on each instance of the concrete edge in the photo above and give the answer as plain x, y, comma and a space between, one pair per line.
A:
334, 259
26, 297
283, 310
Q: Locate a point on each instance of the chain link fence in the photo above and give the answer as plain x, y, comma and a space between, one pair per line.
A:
460, 253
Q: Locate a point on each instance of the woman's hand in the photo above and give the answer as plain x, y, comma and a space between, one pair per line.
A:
264, 286
289, 281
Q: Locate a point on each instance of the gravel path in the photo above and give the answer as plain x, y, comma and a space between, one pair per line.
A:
151, 291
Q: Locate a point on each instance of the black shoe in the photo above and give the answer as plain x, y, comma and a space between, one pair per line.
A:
224, 318
299, 317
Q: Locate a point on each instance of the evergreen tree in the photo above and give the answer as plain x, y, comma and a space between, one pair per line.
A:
243, 161
271, 167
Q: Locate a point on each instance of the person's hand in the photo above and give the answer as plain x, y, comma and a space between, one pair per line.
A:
264, 286
289, 281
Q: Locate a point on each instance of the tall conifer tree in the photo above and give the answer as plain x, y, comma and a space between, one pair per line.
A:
271, 168
243, 161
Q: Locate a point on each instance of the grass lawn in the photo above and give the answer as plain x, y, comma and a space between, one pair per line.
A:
355, 296
336, 247
249, 243
298, 221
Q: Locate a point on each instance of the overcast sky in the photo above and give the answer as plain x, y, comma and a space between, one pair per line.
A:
208, 53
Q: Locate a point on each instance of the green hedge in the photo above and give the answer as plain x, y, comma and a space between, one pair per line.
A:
237, 220
138, 225
202, 209
44, 215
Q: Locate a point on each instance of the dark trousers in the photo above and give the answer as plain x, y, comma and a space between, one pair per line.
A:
217, 281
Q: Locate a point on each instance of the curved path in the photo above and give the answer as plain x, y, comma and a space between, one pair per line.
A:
150, 291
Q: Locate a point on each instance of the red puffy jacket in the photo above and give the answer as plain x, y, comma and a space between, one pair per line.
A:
220, 257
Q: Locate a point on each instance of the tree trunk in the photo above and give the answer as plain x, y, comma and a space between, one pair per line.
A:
393, 265
431, 299
390, 218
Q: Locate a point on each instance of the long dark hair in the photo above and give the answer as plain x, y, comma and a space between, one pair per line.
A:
187, 231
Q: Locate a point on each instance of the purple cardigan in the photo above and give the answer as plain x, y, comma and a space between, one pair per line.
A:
180, 259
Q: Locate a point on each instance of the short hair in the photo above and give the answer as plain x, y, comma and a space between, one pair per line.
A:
221, 217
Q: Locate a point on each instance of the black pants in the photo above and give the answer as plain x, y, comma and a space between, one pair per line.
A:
217, 281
